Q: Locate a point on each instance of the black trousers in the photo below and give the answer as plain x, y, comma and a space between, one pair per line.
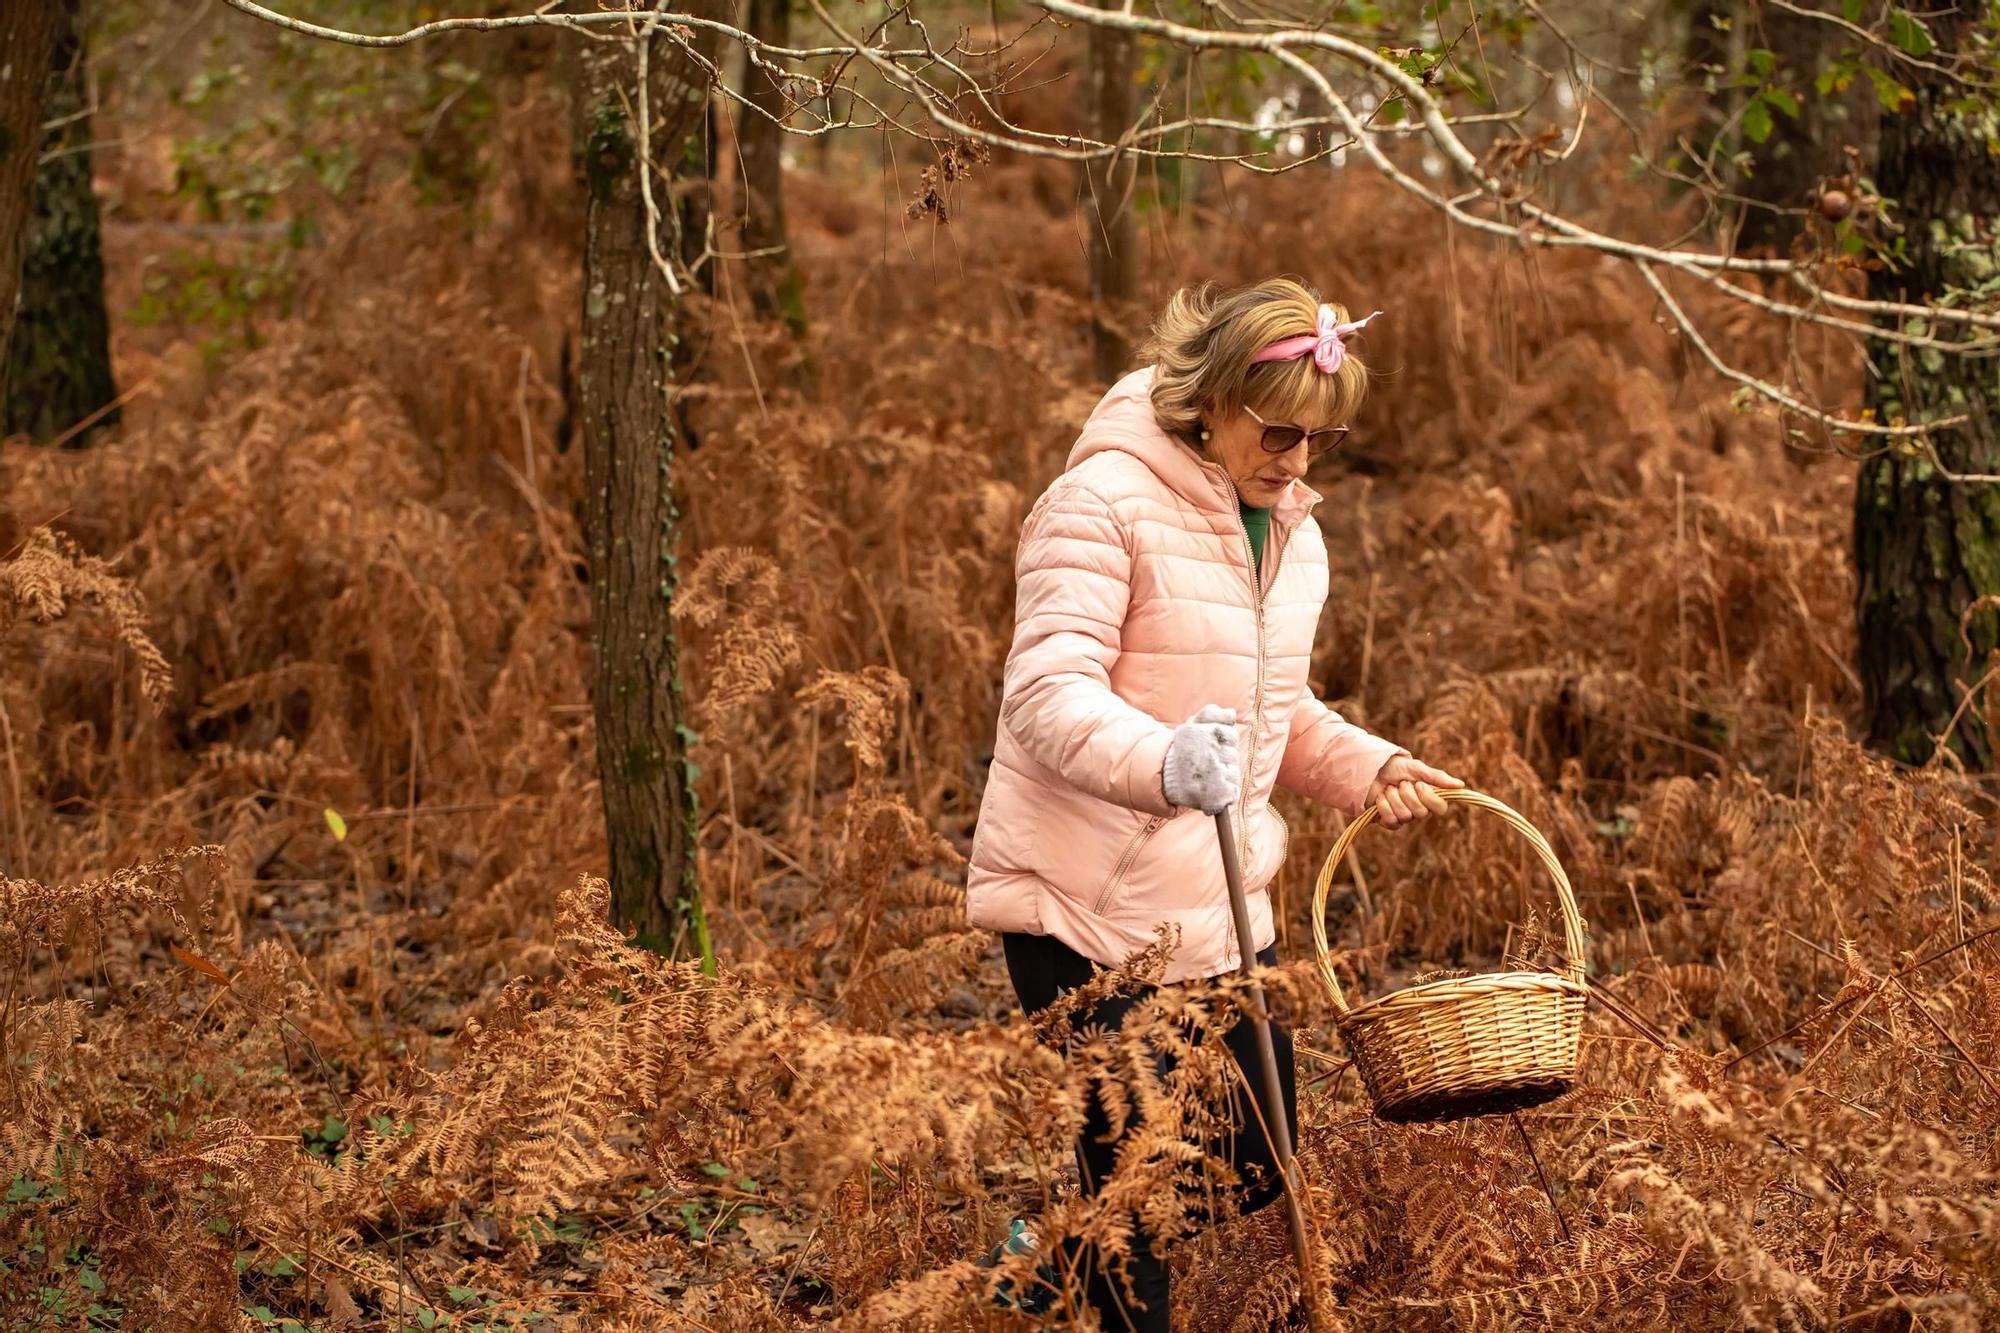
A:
1043, 967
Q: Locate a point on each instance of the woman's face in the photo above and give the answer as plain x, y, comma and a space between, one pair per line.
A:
1260, 477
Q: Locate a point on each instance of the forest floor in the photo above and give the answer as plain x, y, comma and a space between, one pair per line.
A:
323, 1026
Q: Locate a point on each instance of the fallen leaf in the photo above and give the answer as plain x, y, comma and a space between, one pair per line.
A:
341, 1311
200, 964
770, 1235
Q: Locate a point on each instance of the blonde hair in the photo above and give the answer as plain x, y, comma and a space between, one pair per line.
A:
1201, 346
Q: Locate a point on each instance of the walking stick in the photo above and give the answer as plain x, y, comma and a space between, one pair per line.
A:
1278, 1123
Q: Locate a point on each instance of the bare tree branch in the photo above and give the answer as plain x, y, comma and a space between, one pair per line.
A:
1497, 197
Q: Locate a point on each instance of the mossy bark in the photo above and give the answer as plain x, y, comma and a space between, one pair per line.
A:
631, 329
59, 358
1926, 547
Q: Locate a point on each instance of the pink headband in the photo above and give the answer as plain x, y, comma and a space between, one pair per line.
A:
1326, 346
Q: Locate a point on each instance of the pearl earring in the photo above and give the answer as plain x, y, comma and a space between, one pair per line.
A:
1204, 432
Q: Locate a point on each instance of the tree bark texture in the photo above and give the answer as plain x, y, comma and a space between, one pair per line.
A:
59, 358
775, 289
630, 331
1927, 547
1111, 202
28, 30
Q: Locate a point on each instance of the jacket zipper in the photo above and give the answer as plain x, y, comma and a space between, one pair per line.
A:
1257, 592
1146, 831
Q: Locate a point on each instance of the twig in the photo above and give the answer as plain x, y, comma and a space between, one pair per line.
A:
1814, 1017
1542, 1176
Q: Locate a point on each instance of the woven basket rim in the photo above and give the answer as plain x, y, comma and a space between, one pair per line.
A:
1576, 939
1451, 990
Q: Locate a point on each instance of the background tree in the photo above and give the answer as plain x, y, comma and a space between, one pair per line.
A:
1927, 509
772, 272
1561, 554
28, 34
634, 101
59, 360
1111, 205
1416, 104
1793, 127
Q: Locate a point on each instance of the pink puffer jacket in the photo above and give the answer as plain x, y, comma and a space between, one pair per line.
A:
1135, 605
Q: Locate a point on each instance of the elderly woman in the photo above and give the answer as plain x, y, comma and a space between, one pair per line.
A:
1168, 588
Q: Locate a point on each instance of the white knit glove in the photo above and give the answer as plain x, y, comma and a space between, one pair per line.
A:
1202, 770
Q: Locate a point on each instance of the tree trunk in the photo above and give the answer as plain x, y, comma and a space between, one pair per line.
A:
1803, 149
1925, 546
28, 30
1110, 203
630, 318
693, 211
59, 359
775, 289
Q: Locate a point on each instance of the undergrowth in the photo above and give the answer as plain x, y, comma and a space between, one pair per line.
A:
314, 1019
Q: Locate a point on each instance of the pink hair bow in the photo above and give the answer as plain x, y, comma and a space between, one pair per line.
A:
1327, 345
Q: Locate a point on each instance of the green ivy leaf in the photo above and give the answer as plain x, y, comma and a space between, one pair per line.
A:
1783, 100
1836, 76
1892, 95
1852, 9
1909, 32
1757, 120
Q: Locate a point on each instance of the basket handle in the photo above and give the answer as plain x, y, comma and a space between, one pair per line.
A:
1575, 943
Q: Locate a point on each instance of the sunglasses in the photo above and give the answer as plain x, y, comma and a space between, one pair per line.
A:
1284, 439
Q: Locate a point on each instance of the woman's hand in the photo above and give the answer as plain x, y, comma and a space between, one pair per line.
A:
1406, 790
1202, 771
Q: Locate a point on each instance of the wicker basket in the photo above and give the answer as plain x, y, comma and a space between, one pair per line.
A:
1464, 1046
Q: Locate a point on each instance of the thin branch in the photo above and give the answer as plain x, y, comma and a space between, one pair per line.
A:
1495, 204
1772, 391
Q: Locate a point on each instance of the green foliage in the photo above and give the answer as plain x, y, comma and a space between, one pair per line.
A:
326, 1139
285, 129
485, 1316
277, 1323
557, 1231
1907, 31
222, 297
1767, 97
70, 1290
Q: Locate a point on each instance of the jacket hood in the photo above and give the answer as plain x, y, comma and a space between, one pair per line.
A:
1123, 420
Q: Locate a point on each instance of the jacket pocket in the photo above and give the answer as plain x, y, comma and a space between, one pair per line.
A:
1131, 854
